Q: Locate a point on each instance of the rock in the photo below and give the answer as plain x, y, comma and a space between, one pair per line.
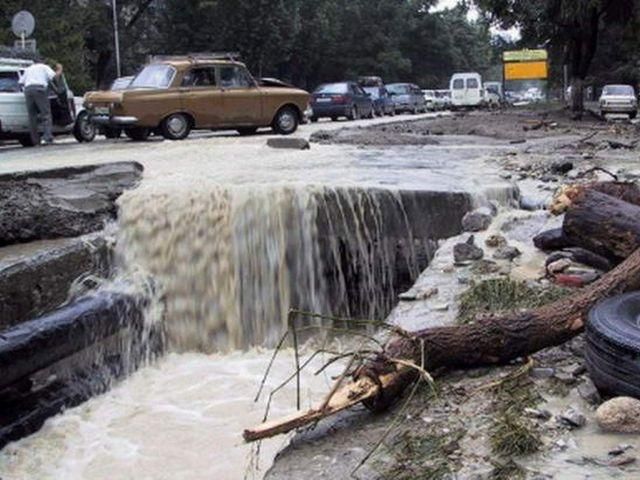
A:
562, 167
589, 392
542, 372
495, 241
289, 143
440, 307
476, 221
485, 267
565, 378
573, 418
467, 251
558, 266
413, 295
574, 369
621, 461
620, 449
507, 253
551, 240
540, 414
619, 415
64, 202
531, 204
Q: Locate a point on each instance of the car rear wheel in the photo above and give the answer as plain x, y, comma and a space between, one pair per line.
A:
176, 127
247, 130
83, 129
26, 141
112, 132
138, 134
286, 121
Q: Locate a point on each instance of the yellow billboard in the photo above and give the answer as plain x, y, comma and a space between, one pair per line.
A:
526, 71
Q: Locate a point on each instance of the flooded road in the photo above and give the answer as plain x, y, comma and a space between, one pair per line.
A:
228, 228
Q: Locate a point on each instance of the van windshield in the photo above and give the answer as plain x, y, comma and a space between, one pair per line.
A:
154, 76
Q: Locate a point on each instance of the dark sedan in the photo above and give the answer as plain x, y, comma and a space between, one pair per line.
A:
407, 97
383, 104
344, 99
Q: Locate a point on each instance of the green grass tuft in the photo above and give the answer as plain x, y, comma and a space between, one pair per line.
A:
503, 295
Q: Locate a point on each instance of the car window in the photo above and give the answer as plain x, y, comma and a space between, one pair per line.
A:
472, 83
332, 88
398, 89
373, 91
154, 76
200, 77
9, 82
234, 77
458, 84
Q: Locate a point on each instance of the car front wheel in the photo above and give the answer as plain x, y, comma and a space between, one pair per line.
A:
176, 127
84, 130
286, 121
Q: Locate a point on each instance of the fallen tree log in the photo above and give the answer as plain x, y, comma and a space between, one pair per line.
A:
625, 191
495, 339
603, 224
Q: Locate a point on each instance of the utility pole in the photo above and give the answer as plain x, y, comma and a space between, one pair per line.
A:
116, 36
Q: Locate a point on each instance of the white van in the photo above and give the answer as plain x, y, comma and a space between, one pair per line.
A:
466, 90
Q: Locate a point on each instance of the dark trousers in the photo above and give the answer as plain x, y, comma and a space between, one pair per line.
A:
39, 111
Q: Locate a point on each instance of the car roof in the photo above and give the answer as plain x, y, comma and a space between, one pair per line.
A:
185, 63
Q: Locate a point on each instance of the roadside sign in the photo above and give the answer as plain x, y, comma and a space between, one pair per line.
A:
525, 56
526, 71
23, 24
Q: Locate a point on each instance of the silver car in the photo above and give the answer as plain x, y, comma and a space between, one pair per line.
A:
619, 99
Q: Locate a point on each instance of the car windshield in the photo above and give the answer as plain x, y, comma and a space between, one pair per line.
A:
373, 91
458, 84
399, 89
154, 76
9, 82
625, 90
333, 88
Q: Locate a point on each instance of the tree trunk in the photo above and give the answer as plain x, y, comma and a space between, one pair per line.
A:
603, 224
495, 339
577, 97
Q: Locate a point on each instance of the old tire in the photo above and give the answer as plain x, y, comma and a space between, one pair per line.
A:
138, 134
286, 121
176, 126
83, 129
613, 345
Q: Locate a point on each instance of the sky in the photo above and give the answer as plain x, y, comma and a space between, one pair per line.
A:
513, 33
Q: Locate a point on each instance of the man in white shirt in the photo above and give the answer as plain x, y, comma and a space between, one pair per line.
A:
35, 81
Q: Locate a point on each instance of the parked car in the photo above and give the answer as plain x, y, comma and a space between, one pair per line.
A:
619, 99
67, 111
342, 99
175, 95
466, 90
494, 93
121, 83
431, 100
407, 97
382, 101
443, 99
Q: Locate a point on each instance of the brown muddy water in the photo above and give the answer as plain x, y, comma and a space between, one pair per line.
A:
230, 247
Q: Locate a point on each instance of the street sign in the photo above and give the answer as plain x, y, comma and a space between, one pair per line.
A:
525, 56
29, 45
23, 24
526, 71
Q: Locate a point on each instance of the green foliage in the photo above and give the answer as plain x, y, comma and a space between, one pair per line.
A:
503, 295
304, 41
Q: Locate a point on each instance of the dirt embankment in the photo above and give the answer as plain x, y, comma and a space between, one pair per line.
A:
509, 125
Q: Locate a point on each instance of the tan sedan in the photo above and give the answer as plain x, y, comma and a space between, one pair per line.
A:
175, 96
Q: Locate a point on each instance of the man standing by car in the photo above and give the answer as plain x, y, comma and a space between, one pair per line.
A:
35, 81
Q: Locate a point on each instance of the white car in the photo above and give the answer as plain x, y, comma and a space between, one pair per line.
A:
430, 99
67, 111
619, 99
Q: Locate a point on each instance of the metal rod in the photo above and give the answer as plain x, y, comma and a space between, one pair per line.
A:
116, 37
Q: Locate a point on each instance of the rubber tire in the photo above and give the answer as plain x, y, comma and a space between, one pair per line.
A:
25, 141
112, 132
84, 136
278, 128
138, 134
166, 131
613, 345
633, 115
244, 131
314, 119
334, 119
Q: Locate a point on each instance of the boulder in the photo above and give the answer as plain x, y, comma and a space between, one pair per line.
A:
619, 415
477, 221
507, 253
289, 143
60, 203
562, 167
495, 241
467, 251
